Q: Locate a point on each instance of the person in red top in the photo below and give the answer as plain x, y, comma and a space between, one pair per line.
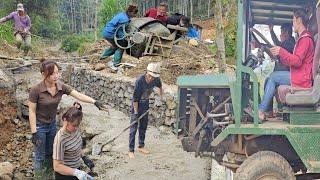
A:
159, 13
300, 62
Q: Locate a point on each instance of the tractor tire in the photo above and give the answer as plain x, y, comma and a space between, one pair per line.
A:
265, 165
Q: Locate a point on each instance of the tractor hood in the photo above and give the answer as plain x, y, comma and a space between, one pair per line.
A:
212, 80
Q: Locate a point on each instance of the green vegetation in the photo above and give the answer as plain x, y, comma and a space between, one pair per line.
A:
66, 19
76, 42
108, 9
230, 30
6, 32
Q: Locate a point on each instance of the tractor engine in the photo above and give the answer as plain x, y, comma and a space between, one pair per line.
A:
203, 114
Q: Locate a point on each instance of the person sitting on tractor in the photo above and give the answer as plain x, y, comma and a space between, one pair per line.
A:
21, 26
300, 62
287, 42
160, 13
109, 33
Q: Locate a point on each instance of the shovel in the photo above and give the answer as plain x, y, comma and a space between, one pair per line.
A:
97, 150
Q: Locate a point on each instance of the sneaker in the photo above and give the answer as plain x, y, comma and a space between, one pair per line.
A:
131, 155
143, 151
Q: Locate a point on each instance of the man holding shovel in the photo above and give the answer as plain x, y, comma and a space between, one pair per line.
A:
140, 104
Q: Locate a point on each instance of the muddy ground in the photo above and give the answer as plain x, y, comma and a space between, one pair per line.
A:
166, 161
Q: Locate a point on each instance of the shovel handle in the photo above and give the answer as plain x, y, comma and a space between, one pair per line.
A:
125, 129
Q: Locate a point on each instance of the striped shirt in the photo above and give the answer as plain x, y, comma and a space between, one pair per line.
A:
67, 148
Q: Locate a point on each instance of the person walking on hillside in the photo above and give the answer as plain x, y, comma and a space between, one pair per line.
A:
109, 33
140, 104
21, 26
44, 99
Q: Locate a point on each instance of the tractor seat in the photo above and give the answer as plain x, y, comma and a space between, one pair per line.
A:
305, 96
300, 96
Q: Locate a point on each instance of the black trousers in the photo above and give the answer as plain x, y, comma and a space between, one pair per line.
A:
64, 177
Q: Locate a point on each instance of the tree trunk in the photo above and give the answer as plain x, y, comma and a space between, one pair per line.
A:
191, 10
96, 21
221, 56
209, 6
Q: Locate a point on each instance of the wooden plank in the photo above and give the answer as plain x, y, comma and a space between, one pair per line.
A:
193, 112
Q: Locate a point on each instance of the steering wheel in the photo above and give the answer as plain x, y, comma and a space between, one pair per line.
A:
128, 33
263, 47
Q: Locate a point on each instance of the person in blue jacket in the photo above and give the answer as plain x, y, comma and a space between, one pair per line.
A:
109, 30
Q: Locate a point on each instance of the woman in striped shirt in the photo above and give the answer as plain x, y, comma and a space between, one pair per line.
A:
67, 146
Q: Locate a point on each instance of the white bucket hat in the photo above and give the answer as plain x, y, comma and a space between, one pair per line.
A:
20, 7
153, 69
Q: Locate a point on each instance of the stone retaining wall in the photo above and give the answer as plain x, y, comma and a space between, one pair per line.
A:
116, 91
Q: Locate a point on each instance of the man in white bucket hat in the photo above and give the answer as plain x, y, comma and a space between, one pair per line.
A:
144, 85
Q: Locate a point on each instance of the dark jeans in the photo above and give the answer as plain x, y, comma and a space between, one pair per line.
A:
276, 78
64, 177
143, 107
44, 146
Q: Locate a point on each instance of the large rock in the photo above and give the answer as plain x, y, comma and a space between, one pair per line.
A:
8, 102
6, 171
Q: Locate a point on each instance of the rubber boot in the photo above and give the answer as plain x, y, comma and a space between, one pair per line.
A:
49, 172
39, 174
26, 51
107, 52
117, 57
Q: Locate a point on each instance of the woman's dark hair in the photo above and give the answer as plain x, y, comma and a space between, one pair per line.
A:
302, 13
47, 67
132, 8
73, 114
75, 104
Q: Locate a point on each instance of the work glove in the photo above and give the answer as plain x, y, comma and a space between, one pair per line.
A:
81, 175
34, 138
88, 162
101, 106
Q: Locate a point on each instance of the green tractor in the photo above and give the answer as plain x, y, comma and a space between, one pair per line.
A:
219, 113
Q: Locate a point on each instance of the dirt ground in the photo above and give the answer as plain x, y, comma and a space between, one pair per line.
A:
6, 133
208, 30
166, 161
185, 60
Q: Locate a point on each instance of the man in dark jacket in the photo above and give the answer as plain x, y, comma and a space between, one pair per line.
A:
287, 42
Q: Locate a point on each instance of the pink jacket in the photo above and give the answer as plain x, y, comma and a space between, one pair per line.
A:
301, 61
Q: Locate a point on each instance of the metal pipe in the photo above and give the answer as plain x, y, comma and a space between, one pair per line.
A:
209, 115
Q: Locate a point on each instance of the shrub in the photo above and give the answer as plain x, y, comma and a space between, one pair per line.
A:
75, 42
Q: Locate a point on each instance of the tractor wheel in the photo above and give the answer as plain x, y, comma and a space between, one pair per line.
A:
265, 165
